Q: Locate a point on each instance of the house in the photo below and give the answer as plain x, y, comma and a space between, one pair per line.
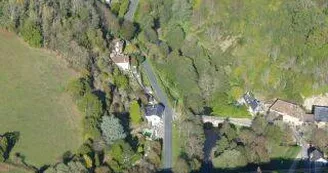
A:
252, 103
118, 57
291, 113
154, 113
122, 61
316, 156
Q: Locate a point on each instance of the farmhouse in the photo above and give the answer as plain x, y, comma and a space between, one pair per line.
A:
154, 113
252, 103
117, 56
291, 113
316, 156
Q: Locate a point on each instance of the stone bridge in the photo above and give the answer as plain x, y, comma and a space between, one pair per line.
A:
215, 121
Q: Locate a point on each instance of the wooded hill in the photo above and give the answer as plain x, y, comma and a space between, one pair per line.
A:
211, 51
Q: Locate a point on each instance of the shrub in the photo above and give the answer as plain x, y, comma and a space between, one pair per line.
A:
122, 153
91, 128
135, 113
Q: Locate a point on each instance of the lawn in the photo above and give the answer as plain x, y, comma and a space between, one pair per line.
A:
176, 143
33, 101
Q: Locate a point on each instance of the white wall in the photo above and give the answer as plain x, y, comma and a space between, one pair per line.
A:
124, 66
153, 120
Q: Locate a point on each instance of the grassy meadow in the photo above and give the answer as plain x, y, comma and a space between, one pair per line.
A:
33, 102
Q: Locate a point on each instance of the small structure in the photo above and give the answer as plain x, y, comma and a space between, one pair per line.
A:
117, 56
291, 113
320, 113
154, 113
316, 156
252, 103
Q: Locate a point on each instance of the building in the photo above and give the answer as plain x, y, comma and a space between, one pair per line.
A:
316, 156
118, 57
154, 113
252, 103
320, 113
291, 113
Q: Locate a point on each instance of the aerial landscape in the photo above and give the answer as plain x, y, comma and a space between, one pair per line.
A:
181, 86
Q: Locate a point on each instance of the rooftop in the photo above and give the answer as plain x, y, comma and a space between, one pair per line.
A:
156, 109
321, 113
314, 154
120, 59
251, 101
288, 108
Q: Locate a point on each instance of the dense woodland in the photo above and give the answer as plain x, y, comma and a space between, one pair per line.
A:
215, 51
81, 32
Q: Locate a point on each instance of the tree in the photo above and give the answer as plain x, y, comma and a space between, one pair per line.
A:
102, 169
31, 33
70, 167
221, 145
230, 159
91, 106
91, 128
247, 136
128, 30
122, 153
79, 87
88, 161
112, 129
175, 37
228, 130
319, 139
288, 136
259, 124
135, 113
274, 133
181, 166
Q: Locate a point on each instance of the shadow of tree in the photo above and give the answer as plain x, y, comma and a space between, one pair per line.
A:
278, 165
13, 138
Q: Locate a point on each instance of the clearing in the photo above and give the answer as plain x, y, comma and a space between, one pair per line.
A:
33, 102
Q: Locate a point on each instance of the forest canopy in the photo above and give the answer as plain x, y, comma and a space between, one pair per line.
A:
221, 49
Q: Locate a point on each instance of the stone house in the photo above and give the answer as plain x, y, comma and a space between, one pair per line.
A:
291, 113
118, 57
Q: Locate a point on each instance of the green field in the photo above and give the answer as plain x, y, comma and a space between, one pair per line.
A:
33, 102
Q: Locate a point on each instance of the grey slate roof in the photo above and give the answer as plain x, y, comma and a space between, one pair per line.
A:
251, 101
156, 109
321, 113
314, 154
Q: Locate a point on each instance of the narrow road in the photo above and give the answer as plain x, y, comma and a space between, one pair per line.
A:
167, 141
132, 9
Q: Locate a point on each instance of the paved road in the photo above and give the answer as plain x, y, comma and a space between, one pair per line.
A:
132, 9
167, 141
